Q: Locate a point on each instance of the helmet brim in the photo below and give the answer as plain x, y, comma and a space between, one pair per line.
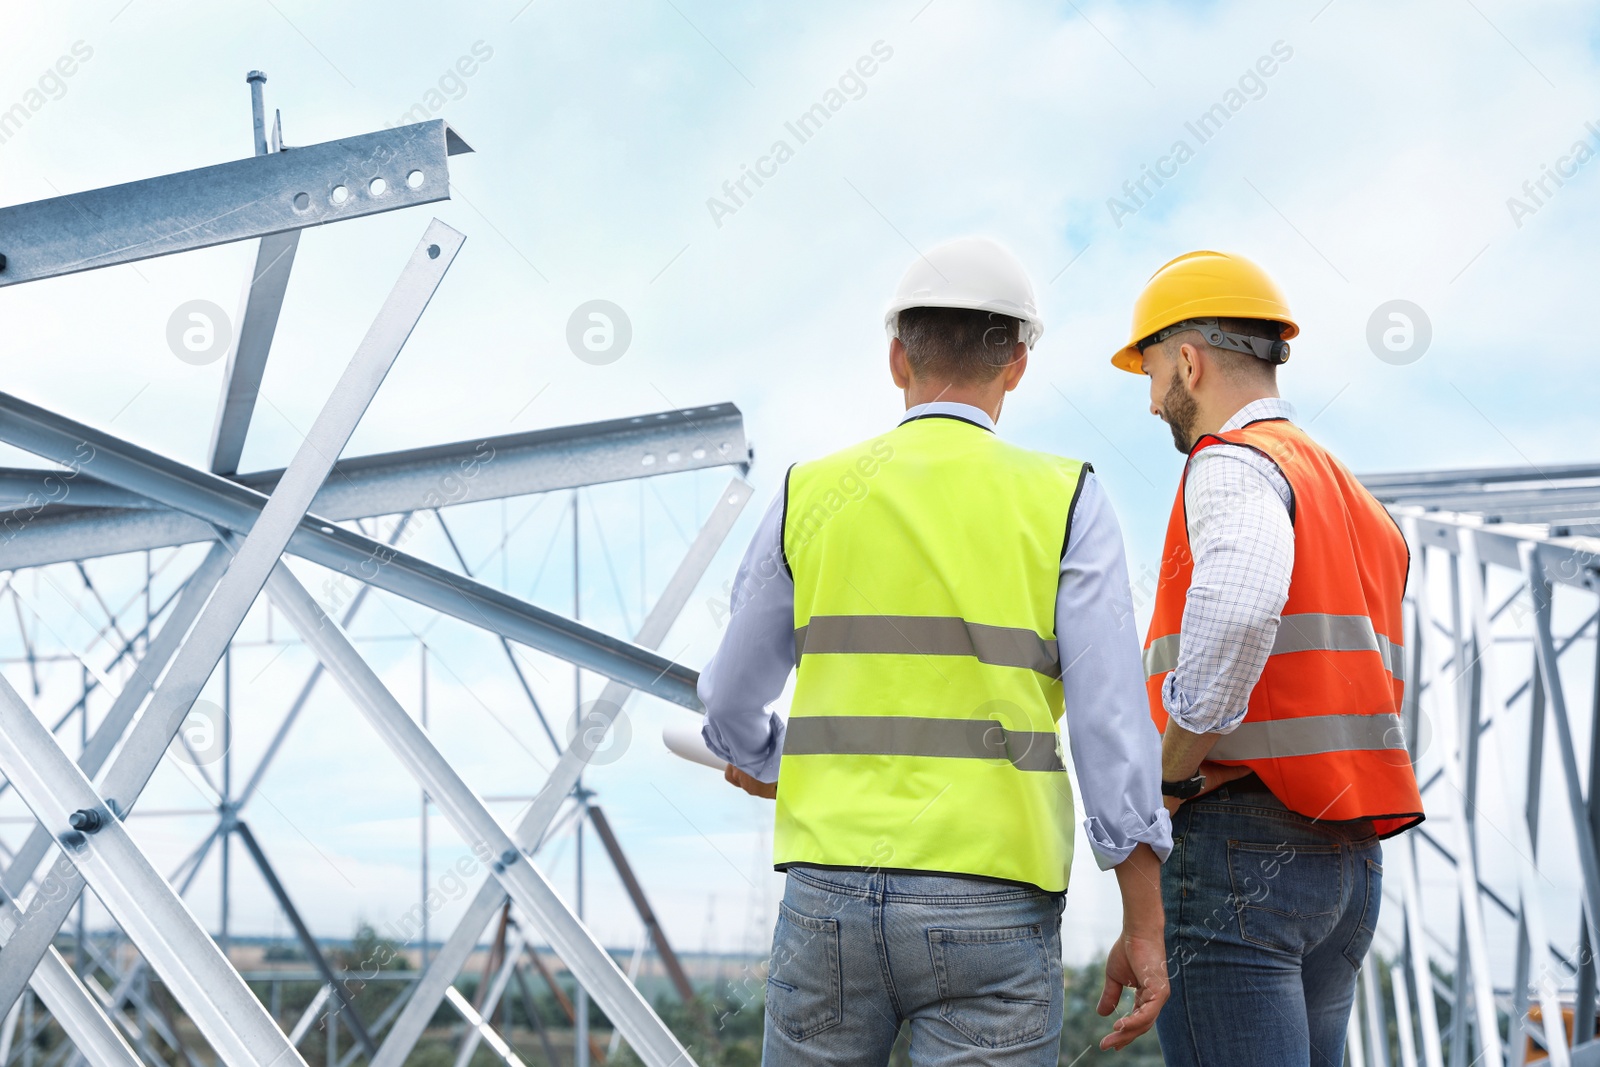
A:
1128, 358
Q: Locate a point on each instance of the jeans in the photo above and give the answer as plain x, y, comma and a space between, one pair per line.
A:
974, 965
1269, 915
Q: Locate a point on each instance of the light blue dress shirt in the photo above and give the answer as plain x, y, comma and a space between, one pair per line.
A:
1116, 750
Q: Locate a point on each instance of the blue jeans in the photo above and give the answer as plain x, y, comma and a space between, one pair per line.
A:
1269, 915
974, 965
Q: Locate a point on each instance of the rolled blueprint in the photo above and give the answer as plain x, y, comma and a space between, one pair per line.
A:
683, 739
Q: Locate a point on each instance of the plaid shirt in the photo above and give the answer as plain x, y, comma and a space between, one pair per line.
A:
1242, 541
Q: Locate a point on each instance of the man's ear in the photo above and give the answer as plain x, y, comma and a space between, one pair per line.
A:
1190, 367
899, 364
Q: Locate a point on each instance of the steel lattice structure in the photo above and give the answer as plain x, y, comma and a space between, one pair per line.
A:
104, 496
1486, 953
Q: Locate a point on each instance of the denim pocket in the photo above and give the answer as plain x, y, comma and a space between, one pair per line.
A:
1361, 940
805, 994
995, 985
1287, 895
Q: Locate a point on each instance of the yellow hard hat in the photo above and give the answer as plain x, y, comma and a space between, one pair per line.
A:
1203, 284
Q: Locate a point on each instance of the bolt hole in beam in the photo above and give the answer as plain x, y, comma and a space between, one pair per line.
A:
415, 179
248, 198
377, 187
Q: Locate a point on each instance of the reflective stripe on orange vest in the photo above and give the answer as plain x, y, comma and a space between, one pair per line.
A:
1322, 729
1308, 632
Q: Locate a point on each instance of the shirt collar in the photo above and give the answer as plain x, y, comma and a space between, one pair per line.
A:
964, 412
1268, 407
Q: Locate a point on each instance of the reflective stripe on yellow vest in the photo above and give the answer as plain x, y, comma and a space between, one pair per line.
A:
923, 731
1322, 729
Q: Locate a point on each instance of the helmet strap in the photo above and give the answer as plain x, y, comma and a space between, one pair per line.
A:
1272, 349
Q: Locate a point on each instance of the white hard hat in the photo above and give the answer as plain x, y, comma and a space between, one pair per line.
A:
968, 272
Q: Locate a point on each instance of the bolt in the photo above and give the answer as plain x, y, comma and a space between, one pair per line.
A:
86, 820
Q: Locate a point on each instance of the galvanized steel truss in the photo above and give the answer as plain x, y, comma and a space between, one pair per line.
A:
1486, 951
106, 496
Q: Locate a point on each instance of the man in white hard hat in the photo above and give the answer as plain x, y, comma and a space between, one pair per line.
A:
946, 597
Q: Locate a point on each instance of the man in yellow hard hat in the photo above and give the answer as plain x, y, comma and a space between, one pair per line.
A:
1273, 666
945, 599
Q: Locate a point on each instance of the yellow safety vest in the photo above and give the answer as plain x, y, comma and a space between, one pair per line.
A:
923, 731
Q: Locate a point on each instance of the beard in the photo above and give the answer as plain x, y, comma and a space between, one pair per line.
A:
1180, 409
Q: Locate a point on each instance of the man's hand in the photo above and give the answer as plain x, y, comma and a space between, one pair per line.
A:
754, 786
1139, 957
1217, 775
1139, 961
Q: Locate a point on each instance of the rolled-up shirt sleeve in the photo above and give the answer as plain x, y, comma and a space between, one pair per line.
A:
752, 664
1116, 749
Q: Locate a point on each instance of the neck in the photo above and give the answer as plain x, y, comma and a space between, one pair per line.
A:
988, 397
1215, 415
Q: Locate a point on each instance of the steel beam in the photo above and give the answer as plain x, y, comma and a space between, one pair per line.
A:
227, 504
253, 197
481, 1027
1396, 484
491, 995
236, 593
61, 534
36, 492
194, 969
157, 655
1572, 560
247, 358
96, 1037
1530, 918
259, 307
304, 695
1556, 704
589, 962
347, 1004
1421, 967
432, 988
641, 904
536, 461
56, 520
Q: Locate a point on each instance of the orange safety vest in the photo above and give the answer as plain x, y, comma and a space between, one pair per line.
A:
1322, 729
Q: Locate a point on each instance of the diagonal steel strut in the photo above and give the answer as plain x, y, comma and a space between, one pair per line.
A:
246, 575
435, 983
584, 956
232, 506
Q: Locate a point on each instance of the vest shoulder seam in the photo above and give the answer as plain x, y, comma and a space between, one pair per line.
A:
1085, 468
783, 523
1219, 439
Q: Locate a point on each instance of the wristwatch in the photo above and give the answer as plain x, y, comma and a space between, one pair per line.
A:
1185, 789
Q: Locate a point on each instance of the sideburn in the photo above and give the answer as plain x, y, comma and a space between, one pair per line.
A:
1181, 410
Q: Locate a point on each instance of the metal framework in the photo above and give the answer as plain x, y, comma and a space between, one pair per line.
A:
1485, 953
104, 496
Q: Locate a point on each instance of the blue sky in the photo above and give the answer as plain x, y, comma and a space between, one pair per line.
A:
1374, 163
